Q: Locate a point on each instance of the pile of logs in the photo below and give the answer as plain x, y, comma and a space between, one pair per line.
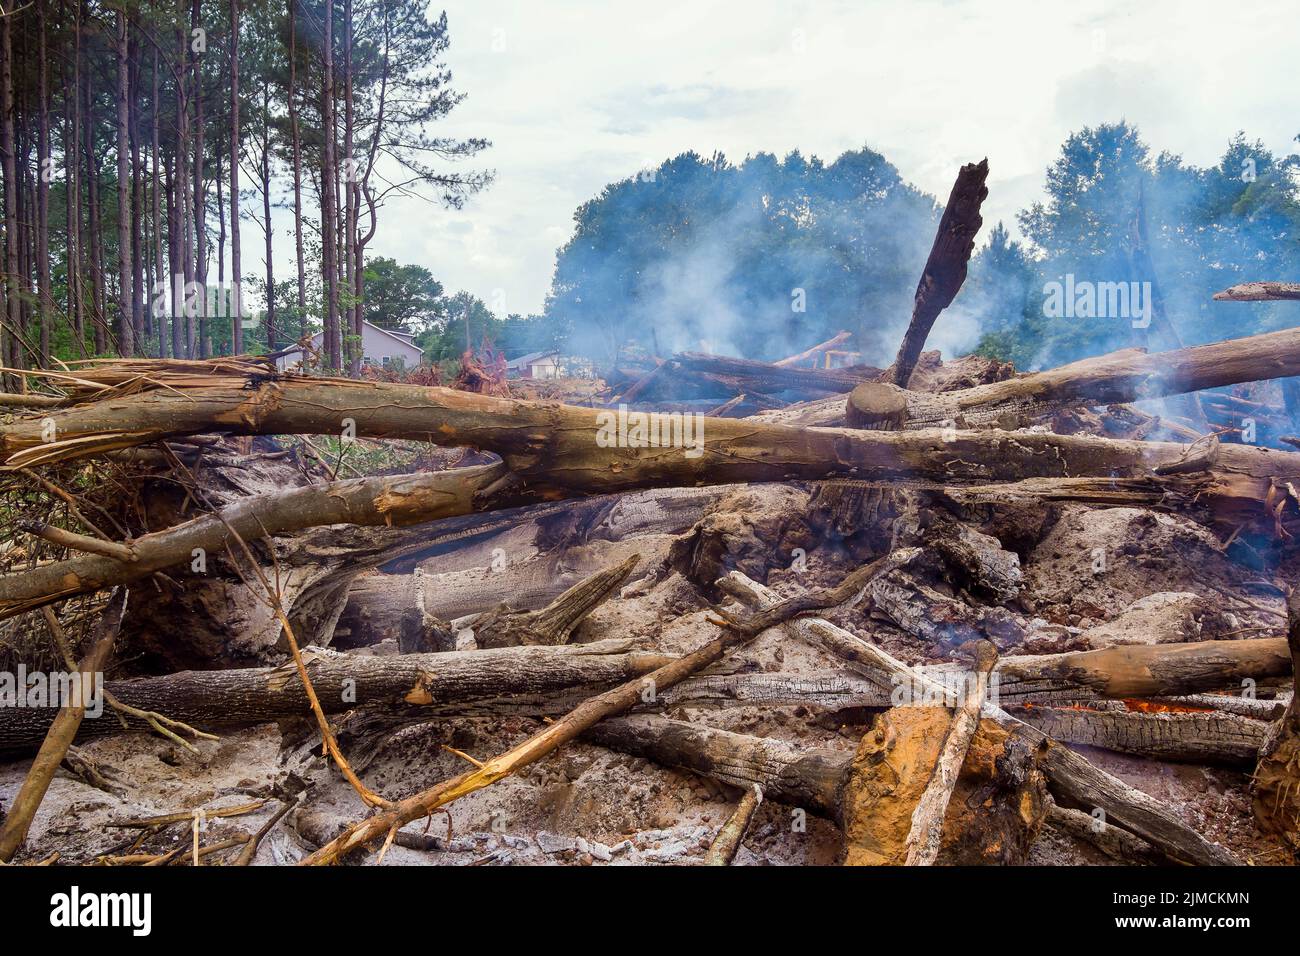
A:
897, 530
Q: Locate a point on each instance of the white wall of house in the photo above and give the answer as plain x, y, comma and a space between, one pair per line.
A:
376, 346
546, 367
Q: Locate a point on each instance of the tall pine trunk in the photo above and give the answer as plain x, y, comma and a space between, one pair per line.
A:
296, 134
12, 347
271, 332
236, 276
199, 214
329, 193
72, 185
44, 290
161, 281
353, 321
138, 220
99, 316
125, 272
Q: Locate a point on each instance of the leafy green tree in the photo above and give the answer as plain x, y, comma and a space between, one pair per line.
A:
403, 298
757, 259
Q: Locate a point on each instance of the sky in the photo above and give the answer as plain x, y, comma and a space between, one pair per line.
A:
576, 94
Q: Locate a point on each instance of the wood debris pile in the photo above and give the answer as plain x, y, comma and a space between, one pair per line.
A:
939, 612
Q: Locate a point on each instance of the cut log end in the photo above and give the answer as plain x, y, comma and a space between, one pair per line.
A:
877, 406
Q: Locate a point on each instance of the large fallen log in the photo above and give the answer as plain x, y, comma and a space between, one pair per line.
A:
747, 375
1207, 737
1128, 375
807, 777
1146, 670
381, 605
419, 686
1259, 292
839, 338
945, 269
560, 450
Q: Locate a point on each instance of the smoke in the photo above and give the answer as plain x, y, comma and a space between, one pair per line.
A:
759, 260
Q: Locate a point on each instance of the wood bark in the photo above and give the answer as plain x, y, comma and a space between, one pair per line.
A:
839, 338
296, 155
732, 833
1211, 738
329, 194
409, 687
126, 272
1128, 375
927, 819
60, 728
11, 345
1260, 292
236, 269
945, 269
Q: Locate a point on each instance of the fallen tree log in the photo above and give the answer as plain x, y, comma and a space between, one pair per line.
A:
748, 375
1259, 292
60, 731
561, 450
838, 339
505, 627
379, 605
1147, 670
1210, 738
424, 684
807, 777
1128, 375
1116, 378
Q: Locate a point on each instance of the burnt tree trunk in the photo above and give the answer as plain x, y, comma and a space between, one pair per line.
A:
945, 269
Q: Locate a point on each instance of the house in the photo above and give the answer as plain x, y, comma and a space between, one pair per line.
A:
535, 365
378, 347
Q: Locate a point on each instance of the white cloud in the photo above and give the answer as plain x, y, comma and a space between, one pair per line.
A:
579, 94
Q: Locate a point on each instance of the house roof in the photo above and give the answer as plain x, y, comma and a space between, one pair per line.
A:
531, 357
395, 336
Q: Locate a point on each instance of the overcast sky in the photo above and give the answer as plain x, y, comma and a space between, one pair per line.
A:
574, 95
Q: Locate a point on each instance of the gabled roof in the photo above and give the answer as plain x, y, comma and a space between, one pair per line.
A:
395, 336
531, 357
